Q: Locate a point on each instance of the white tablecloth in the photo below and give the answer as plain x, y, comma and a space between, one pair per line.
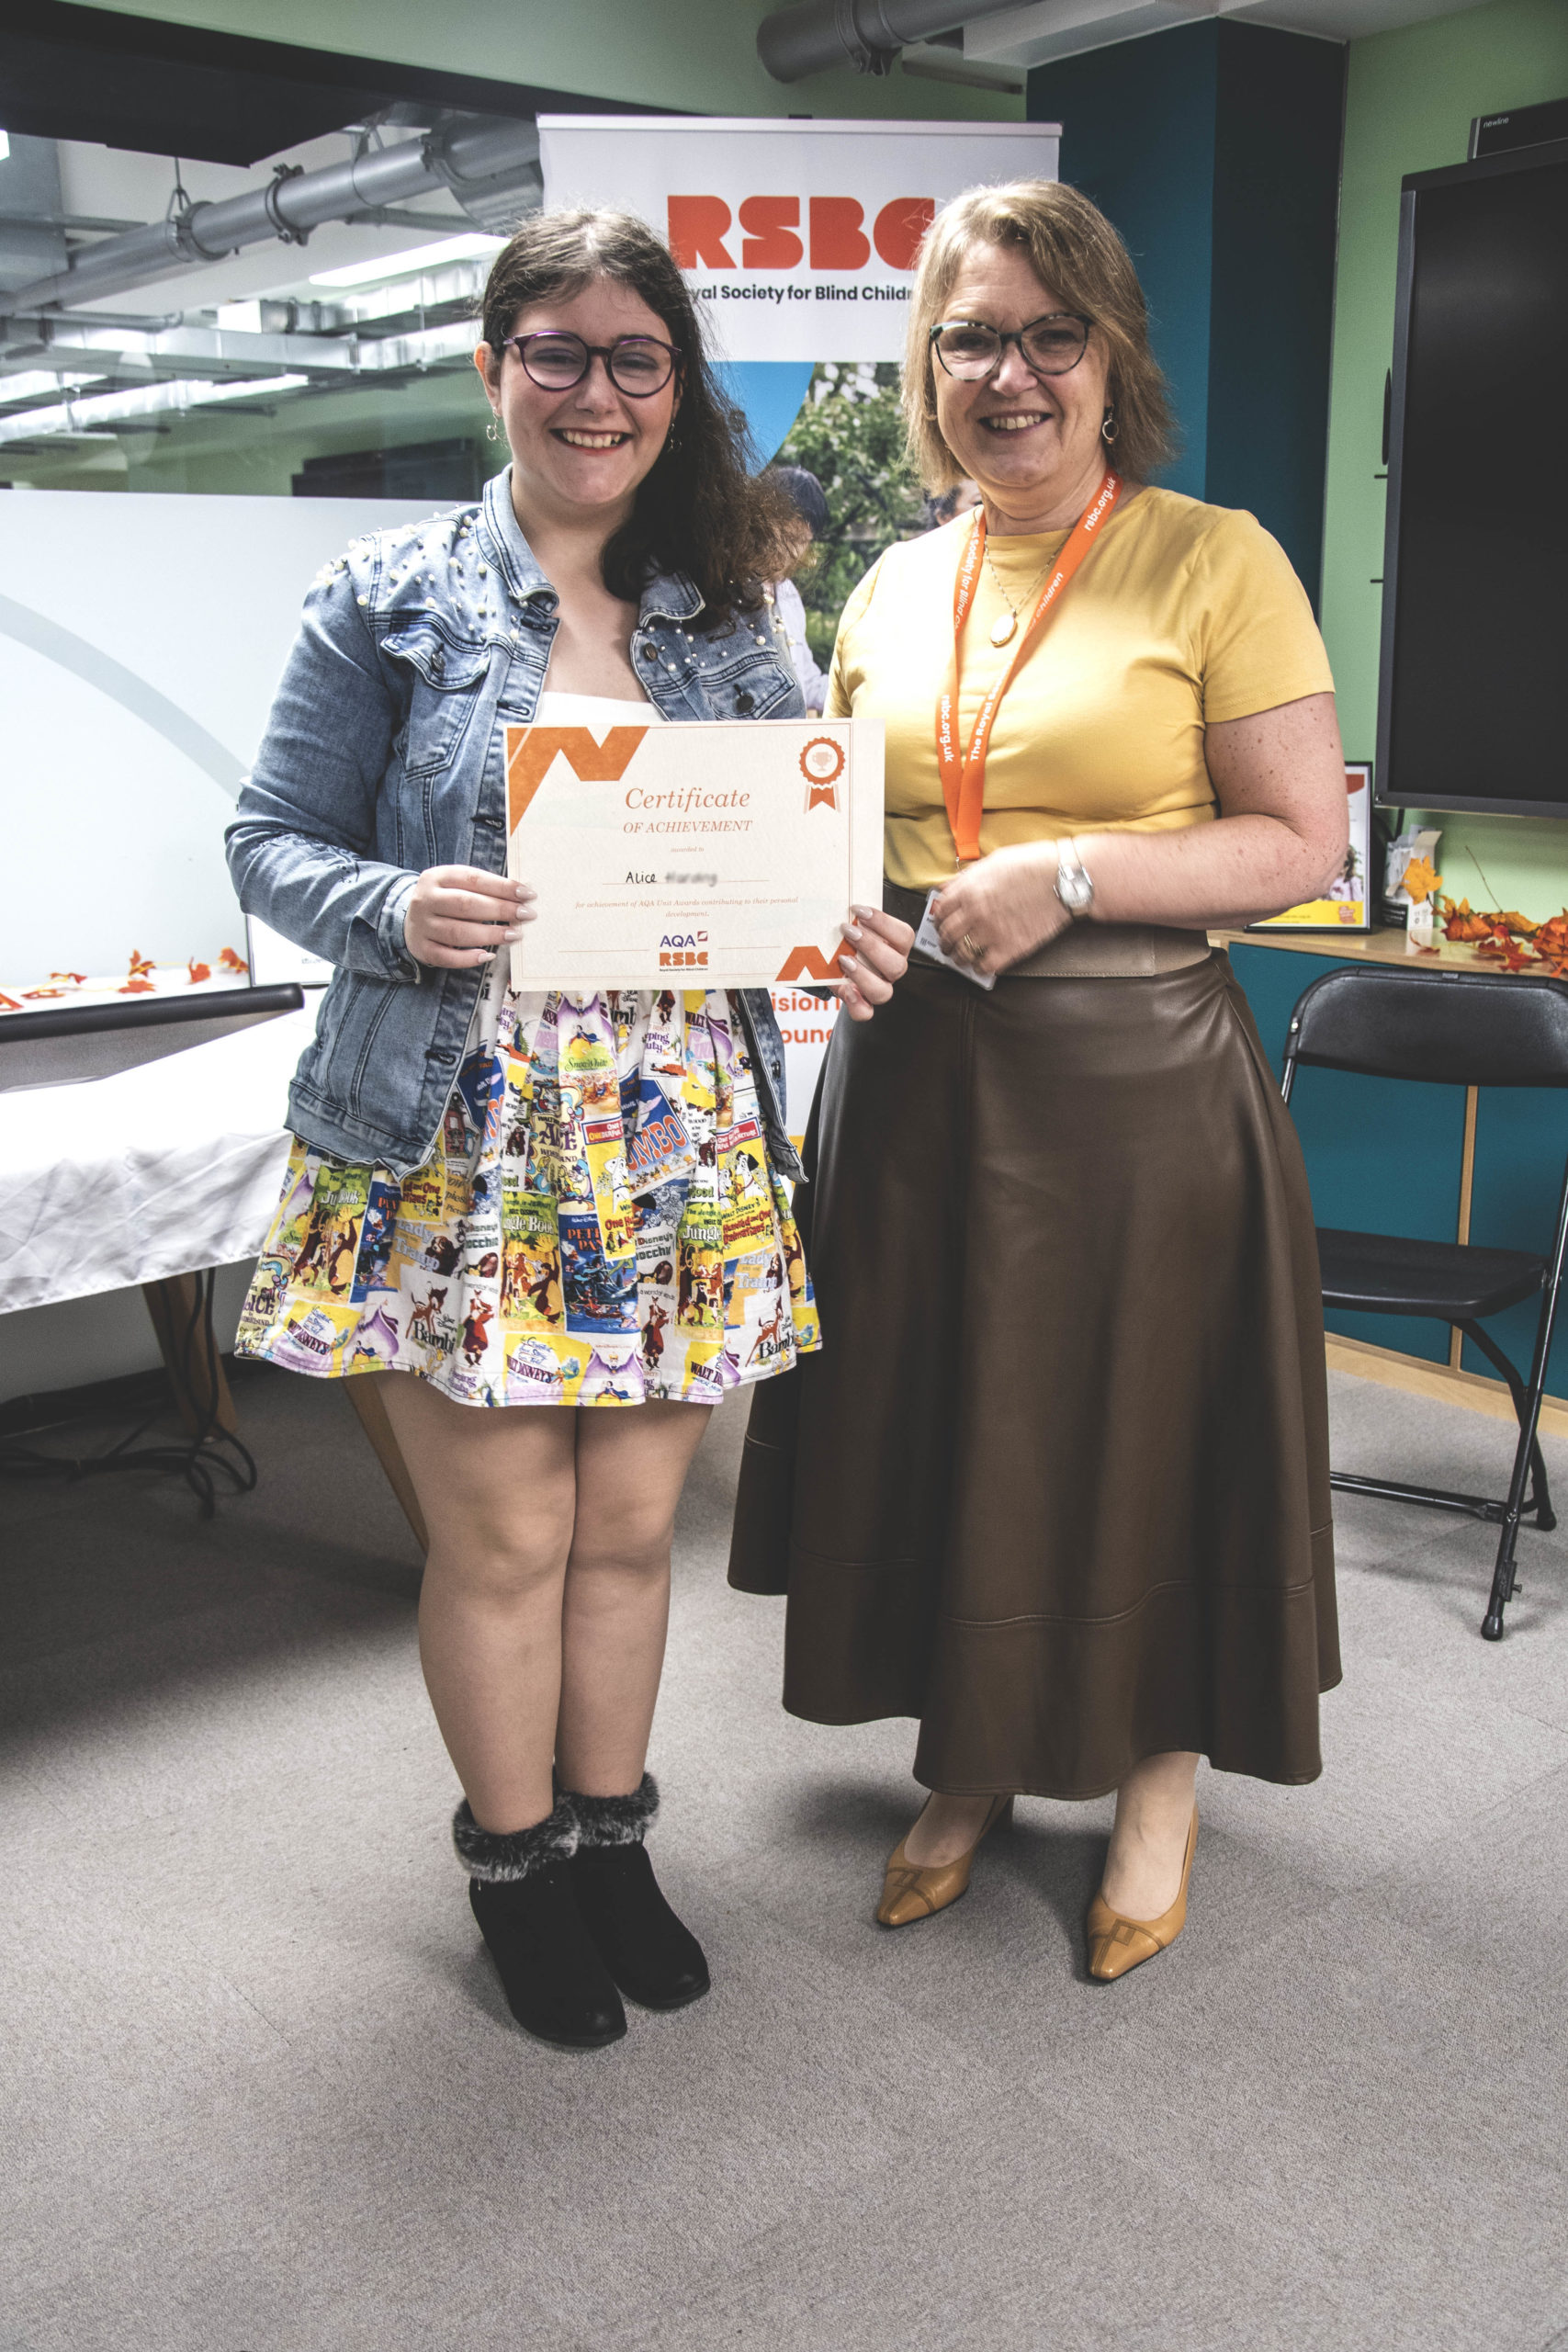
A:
155, 1172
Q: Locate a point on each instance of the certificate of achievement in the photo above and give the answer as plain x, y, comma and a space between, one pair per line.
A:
723, 853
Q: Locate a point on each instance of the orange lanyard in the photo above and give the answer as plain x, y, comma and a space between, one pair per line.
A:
963, 779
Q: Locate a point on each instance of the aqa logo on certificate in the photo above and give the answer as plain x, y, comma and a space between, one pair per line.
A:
728, 850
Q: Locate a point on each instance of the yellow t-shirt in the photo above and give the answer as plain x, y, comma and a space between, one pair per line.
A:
1180, 614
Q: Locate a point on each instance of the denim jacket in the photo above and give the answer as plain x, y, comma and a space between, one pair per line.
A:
384, 755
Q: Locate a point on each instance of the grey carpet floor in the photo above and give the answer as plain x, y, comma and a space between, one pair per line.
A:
262, 2095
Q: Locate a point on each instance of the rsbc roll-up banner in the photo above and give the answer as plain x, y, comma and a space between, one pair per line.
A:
798, 240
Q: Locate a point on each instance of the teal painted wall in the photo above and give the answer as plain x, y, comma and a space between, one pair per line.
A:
1215, 148
1278, 125
1138, 136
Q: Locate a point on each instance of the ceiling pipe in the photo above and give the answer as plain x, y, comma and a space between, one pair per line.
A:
473, 153
866, 34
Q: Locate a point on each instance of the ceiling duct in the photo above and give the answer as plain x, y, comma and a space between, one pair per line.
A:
482, 161
866, 34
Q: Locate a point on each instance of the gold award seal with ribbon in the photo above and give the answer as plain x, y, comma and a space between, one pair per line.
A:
822, 764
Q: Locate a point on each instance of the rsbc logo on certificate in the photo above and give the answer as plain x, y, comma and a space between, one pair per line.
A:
720, 854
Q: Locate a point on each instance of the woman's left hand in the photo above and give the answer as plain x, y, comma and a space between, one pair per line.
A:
1002, 907
877, 954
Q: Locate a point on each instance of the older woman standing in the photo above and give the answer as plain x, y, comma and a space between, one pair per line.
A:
1059, 1485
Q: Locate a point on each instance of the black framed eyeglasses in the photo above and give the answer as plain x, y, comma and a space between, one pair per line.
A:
971, 351
637, 365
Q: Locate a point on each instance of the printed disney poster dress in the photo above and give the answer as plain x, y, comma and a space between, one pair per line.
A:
599, 1223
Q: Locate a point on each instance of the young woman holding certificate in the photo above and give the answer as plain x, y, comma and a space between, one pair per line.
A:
1067, 1502
536, 1200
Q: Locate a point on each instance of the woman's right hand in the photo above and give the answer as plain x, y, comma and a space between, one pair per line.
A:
459, 915
876, 955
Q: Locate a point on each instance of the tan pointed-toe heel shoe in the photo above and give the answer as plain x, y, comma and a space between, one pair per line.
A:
1116, 1945
912, 1891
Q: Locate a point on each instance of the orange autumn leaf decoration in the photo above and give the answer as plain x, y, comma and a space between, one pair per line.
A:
1501, 949
1551, 944
78, 978
1507, 937
139, 965
198, 971
1419, 880
232, 963
137, 987
1462, 924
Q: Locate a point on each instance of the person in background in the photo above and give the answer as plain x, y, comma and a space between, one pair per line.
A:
811, 504
522, 1205
940, 506
1057, 1484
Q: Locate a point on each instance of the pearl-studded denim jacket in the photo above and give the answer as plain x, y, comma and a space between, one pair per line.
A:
383, 755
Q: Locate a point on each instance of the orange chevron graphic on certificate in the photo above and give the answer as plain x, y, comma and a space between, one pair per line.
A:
531, 752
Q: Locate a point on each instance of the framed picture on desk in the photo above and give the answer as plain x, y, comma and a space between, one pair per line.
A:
1348, 905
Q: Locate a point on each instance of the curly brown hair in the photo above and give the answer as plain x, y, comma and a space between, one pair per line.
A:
1076, 252
700, 511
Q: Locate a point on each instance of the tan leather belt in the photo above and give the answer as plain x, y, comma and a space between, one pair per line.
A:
1085, 951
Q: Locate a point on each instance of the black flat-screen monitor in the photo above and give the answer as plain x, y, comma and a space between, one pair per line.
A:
1472, 705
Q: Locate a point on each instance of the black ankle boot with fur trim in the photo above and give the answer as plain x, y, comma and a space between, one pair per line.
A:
655, 1961
522, 1890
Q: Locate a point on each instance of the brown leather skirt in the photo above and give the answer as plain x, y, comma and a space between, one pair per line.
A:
1057, 1484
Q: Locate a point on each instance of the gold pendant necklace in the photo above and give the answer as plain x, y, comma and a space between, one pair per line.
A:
1004, 628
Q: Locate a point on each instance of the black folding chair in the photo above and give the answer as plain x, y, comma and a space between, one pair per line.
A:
1450, 1029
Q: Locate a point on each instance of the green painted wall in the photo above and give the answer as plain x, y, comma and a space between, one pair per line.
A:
696, 56
1410, 96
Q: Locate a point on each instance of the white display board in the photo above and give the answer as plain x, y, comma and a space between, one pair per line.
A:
141, 638
798, 238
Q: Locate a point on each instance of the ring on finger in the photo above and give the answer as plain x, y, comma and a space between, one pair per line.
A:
971, 948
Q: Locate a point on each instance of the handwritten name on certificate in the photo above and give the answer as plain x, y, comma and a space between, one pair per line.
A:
723, 854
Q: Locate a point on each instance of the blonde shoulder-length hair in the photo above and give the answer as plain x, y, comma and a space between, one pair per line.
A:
1077, 255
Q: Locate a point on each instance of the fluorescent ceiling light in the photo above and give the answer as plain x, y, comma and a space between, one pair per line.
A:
157, 399
31, 381
250, 388
417, 257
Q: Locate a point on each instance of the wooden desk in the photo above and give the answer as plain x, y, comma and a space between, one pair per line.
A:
1364, 947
